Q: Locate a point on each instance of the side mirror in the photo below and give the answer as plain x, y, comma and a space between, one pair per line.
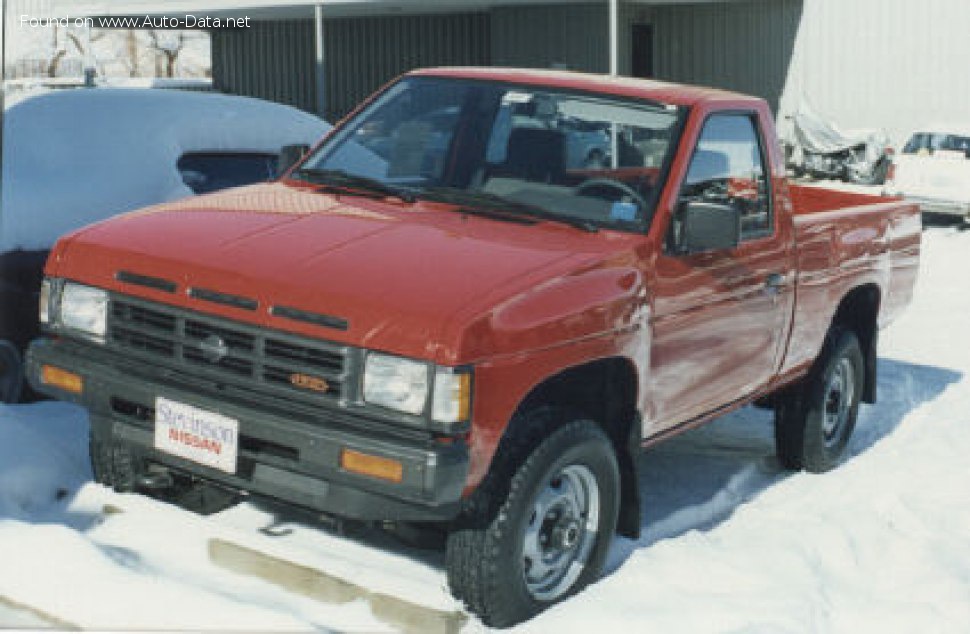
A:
708, 226
289, 156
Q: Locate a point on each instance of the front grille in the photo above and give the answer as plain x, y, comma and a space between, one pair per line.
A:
220, 349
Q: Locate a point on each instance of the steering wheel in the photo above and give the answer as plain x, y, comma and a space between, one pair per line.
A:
609, 183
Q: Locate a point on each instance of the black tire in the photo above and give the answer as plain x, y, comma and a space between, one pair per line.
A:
815, 418
116, 467
113, 465
11, 373
487, 556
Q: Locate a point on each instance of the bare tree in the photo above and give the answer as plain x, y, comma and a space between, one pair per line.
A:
79, 44
57, 53
132, 53
169, 47
59, 47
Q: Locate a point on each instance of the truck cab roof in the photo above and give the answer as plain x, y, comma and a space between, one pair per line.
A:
650, 89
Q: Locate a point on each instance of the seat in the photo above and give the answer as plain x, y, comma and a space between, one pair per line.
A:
534, 154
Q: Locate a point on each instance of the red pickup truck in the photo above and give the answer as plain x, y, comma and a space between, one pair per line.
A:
470, 305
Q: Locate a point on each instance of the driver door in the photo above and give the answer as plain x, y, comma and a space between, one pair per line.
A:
720, 316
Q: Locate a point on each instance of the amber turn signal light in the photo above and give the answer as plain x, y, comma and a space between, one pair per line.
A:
67, 381
374, 466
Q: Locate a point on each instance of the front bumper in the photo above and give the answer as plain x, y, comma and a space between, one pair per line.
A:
280, 456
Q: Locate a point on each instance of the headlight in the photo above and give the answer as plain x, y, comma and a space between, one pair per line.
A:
45, 302
84, 309
396, 383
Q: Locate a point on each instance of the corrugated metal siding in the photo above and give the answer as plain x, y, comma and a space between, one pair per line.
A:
271, 60
743, 46
364, 53
574, 36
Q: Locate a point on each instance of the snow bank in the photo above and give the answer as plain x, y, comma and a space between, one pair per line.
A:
77, 156
43, 457
731, 543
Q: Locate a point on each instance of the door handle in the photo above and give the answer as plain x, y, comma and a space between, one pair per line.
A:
774, 284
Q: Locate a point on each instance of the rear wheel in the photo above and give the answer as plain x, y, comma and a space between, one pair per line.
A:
548, 538
815, 419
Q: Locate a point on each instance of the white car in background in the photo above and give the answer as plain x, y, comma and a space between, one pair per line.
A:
76, 156
934, 170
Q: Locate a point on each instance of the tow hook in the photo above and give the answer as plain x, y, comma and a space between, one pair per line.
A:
155, 480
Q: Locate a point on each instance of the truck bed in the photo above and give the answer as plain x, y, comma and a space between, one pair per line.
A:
846, 240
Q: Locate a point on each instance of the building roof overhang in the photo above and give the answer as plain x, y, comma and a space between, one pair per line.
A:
295, 9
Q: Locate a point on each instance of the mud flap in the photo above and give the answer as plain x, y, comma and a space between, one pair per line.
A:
628, 523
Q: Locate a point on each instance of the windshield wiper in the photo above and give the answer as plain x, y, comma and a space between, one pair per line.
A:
353, 182
469, 201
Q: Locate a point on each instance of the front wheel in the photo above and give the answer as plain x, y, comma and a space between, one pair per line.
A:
550, 536
815, 419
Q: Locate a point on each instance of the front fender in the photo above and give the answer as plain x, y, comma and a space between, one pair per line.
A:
503, 383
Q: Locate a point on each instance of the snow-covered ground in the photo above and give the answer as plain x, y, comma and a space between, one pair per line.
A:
731, 543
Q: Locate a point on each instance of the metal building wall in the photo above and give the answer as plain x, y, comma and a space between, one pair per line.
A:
573, 36
892, 64
744, 46
271, 60
275, 60
362, 54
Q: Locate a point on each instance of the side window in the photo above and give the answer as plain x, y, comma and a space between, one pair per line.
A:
205, 172
728, 167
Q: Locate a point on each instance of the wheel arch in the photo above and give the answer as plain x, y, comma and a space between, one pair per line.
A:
605, 391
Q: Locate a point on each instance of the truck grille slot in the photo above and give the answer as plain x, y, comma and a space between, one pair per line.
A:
284, 352
218, 349
241, 367
137, 316
147, 343
200, 331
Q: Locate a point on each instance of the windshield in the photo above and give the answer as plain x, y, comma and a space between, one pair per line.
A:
931, 143
556, 155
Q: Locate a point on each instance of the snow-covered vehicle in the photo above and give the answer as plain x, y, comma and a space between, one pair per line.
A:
80, 156
934, 170
818, 148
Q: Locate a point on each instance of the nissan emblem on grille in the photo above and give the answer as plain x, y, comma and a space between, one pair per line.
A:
214, 349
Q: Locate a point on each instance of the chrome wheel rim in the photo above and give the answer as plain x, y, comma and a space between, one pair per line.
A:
560, 532
839, 396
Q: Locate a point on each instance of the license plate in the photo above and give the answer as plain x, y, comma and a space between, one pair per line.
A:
188, 432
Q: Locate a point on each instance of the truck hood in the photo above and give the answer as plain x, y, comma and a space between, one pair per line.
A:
394, 273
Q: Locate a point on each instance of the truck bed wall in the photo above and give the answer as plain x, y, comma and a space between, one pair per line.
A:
810, 200
845, 241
